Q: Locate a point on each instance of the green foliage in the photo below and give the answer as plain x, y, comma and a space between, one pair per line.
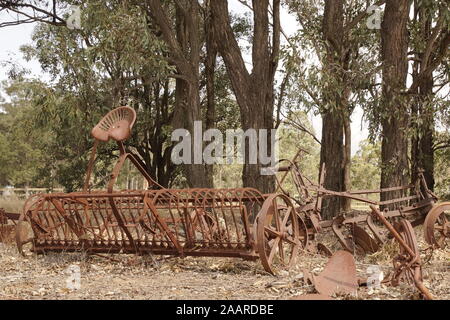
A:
365, 170
442, 168
118, 58
114, 59
305, 59
22, 156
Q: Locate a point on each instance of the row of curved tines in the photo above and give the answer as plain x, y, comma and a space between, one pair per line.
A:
228, 218
112, 117
218, 216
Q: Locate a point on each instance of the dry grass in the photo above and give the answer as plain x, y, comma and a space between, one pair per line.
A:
133, 277
12, 204
385, 254
137, 277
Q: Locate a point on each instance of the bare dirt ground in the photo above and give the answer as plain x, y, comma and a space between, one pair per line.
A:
133, 277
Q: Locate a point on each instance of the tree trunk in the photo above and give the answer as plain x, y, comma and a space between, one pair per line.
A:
186, 102
422, 153
394, 115
332, 149
210, 67
185, 46
254, 92
347, 162
332, 155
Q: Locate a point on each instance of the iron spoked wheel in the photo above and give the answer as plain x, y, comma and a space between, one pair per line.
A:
406, 271
277, 233
437, 225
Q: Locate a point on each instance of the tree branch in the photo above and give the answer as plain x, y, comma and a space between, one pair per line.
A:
276, 35
442, 49
360, 17
301, 127
159, 16
228, 46
19, 8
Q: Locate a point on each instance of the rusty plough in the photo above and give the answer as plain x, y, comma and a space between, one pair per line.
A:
241, 222
407, 264
361, 233
352, 231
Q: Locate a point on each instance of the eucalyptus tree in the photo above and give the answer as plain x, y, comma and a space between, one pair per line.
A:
424, 40
332, 63
254, 90
113, 59
394, 108
157, 56
22, 154
429, 90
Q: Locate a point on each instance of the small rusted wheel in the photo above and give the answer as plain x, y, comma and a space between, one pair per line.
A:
277, 233
406, 269
437, 225
24, 231
304, 235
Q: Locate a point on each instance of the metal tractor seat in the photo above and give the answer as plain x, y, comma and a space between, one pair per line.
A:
117, 125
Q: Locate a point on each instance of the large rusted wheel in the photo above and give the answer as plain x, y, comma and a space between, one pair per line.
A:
277, 233
403, 268
437, 225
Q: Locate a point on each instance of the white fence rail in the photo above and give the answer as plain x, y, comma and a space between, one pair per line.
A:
23, 193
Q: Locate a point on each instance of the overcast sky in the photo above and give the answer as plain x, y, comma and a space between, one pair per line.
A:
11, 38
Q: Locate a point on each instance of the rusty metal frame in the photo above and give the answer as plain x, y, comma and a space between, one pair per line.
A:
408, 263
240, 222
346, 228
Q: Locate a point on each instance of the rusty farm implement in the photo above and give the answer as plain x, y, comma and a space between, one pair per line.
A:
7, 224
184, 222
363, 233
241, 222
417, 204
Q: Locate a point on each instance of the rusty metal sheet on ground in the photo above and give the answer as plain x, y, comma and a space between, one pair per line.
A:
339, 275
